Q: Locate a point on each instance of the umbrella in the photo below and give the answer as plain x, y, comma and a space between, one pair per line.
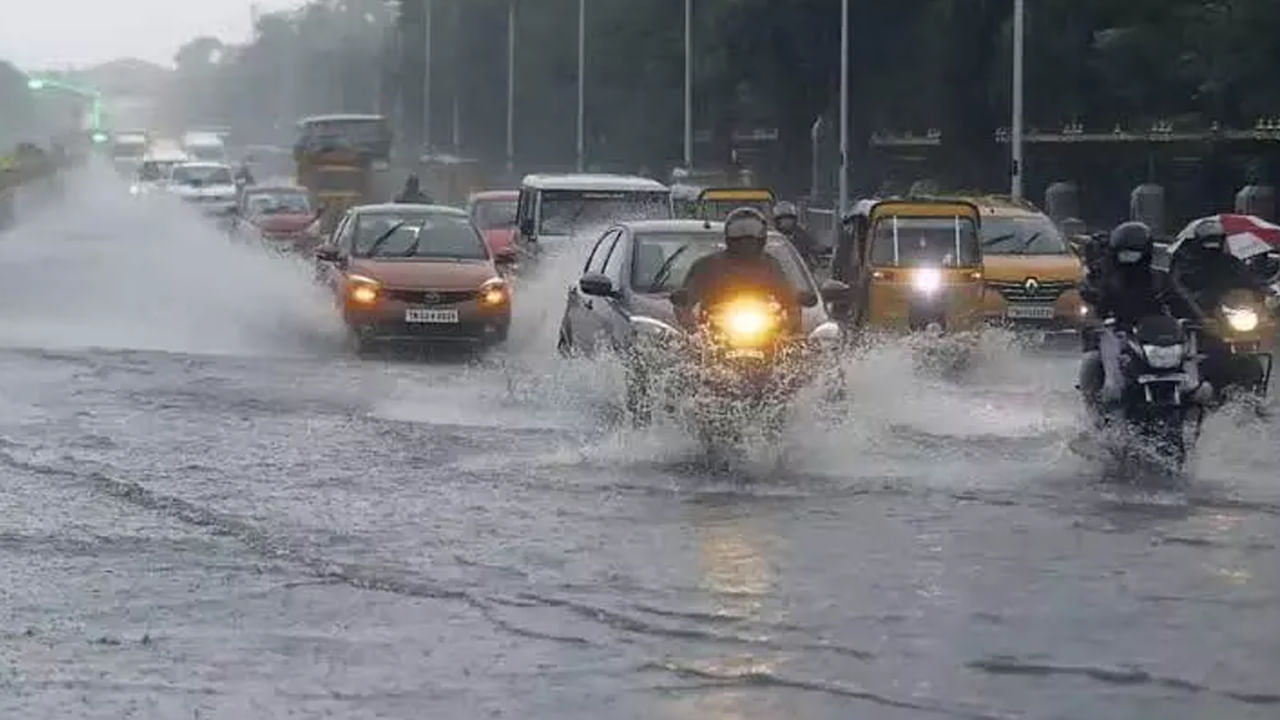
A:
1247, 235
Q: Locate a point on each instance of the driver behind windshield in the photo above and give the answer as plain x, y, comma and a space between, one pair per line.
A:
742, 268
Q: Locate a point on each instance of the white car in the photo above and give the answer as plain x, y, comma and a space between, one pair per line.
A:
210, 185
157, 166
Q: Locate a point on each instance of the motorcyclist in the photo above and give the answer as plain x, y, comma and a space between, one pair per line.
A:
786, 218
412, 193
743, 267
244, 175
1122, 287
1204, 269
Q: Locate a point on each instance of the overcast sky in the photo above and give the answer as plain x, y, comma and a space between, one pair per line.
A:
48, 34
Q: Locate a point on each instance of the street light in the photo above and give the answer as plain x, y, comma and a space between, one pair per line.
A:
1015, 142
844, 109
582, 79
688, 83
93, 96
35, 84
511, 87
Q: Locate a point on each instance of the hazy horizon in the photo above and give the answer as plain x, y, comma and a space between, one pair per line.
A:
56, 34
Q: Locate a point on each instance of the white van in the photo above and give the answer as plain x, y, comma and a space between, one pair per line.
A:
205, 146
560, 206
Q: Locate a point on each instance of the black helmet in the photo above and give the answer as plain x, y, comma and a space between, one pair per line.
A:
745, 231
411, 182
1131, 244
1210, 236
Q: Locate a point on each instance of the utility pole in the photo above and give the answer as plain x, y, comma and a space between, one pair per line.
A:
688, 84
426, 81
582, 81
1015, 139
458, 65
844, 110
511, 88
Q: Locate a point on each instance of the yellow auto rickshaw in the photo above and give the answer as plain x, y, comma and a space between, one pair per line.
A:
716, 203
914, 264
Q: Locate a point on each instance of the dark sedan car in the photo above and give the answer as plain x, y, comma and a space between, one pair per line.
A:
627, 281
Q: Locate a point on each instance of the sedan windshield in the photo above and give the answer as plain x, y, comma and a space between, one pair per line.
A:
925, 241
421, 236
1033, 235
196, 175
653, 268
494, 214
564, 211
282, 203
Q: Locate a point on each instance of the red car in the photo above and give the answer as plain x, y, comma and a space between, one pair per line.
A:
494, 213
283, 216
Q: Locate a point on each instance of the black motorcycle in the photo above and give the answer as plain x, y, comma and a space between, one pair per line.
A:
1160, 404
1235, 338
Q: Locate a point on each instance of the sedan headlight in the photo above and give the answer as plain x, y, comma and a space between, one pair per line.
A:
1241, 319
1163, 357
927, 280
495, 293
363, 290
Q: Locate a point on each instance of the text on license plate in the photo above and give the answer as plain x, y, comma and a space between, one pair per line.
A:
1030, 312
430, 315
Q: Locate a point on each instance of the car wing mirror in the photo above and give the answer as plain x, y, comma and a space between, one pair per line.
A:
505, 259
597, 285
680, 298
808, 298
834, 291
328, 255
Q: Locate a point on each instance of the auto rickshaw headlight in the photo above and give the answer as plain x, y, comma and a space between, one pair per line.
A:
1241, 319
927, 280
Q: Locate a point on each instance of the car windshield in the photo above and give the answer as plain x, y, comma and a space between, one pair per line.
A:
494, 214
279, 203
202, 175
1032, 235
565, 211
129, 149
152, 171
434, 235
370, 136
652, 251
925, 241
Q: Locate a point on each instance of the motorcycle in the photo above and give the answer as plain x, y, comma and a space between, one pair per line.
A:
1235, 345
1160, 398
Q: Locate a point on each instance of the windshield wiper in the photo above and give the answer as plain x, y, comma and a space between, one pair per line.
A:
373, 249
998, 239
1030, 239
413, 249
660, 277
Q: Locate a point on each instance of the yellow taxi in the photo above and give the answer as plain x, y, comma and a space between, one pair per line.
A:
1031, 273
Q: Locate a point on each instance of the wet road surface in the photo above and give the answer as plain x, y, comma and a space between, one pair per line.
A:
209, 510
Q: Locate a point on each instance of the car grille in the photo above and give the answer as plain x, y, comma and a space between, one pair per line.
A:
429, 297
1048, 292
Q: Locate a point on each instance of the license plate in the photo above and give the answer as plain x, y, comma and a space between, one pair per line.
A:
430, 315
1170, 378
1030, 312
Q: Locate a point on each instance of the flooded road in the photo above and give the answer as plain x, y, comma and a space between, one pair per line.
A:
210, 510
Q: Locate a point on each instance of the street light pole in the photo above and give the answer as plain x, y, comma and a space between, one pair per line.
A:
582, 79
688, 84
1015, 139
844, 108
426, 83
511, 87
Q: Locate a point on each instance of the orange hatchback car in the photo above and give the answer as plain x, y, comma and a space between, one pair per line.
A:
415, 274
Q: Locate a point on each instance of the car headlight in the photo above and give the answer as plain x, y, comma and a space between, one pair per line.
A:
363, 290
495, 293
1163, 357
135, 189
827, 332
1241, 319
927, 280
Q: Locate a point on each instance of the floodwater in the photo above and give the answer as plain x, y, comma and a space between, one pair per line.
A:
209, 509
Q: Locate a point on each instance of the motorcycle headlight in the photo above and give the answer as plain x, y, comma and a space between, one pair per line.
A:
1163, 357
1241, 319
927, 280
747, 322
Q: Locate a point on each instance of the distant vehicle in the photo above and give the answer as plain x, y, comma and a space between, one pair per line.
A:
714, 203
281, 215
494, 214
415, 273
205, 145
558, 206
210, 186
156, 167
269, 163
343, 161
128, 149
